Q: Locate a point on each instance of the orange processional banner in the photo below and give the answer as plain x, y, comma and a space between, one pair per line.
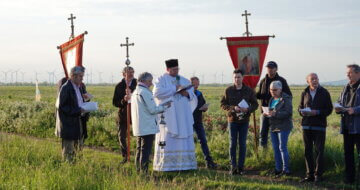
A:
248, 54
71, 53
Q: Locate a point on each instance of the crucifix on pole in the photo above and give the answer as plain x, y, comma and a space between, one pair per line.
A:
72, 36
247, 33
127, 63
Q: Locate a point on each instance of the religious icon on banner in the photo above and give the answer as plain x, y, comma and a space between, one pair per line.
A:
248, 60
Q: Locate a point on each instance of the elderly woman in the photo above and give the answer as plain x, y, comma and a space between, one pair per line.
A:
280, 113
144, 120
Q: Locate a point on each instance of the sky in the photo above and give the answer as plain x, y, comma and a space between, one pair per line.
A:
311, 36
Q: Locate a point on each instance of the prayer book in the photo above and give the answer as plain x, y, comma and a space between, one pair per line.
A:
89, 106
184, 88
243, 104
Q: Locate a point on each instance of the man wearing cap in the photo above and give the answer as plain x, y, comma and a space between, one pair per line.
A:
264, 95
174, 144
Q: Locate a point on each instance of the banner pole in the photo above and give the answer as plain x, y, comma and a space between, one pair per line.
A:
255, 135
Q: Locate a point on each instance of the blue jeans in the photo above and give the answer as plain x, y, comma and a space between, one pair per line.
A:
200, 132
264, 130
279, 142
238, 134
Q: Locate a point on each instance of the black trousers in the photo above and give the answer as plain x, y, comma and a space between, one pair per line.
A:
314, 139
143, 150
350, 141
122, 133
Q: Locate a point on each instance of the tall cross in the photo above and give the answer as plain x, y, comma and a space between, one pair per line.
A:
127, 50
128, 117
247, 33
72, 25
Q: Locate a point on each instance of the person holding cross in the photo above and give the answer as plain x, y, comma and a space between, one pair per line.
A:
174, 144
121, 98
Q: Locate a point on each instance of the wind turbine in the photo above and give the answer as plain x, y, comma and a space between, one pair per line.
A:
5, 75
215, 75
22, 77
100, 77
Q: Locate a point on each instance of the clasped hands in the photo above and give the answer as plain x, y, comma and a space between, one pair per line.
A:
309, 113
350, 111
271, 113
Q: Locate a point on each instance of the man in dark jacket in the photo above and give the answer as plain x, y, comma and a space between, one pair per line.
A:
238, 118
350, 120
264, 95
84, 116
70, 101
198, 123
315, 106
120, 100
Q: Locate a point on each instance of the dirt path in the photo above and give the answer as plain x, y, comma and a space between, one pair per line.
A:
249, 174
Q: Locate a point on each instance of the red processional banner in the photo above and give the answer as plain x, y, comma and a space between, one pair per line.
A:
71, 53
248, 54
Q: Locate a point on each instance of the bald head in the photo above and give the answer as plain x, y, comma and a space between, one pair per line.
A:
313, 81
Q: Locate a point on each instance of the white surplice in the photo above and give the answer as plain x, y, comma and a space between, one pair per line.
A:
179, 151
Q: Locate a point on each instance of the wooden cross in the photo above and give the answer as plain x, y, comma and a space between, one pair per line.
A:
127, 50
247, 33
72, 25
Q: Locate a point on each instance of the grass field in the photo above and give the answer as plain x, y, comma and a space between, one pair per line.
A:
36, 164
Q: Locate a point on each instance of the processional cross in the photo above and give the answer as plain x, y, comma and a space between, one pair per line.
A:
127, 63
247, 33
72, 36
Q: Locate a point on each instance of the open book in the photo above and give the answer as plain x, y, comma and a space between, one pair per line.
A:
307, 109
184, 88
204, 107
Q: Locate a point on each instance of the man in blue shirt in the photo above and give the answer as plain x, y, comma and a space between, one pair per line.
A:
198, 124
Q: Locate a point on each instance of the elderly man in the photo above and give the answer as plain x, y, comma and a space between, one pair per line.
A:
264, 95
69, 110
174, 147
144, 120
349, 109
238, 118
84, 117
121, 98
315, 106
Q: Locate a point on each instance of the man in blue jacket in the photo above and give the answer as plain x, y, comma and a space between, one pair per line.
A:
350, 120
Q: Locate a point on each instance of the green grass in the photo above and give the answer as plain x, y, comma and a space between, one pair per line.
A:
20, 114
37, 164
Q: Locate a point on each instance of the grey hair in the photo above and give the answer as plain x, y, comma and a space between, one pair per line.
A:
276, 84
355, 67
144, 77
77, 70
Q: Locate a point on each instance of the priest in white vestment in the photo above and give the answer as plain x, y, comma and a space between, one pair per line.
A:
178, 153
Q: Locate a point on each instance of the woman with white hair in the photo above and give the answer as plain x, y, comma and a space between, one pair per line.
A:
280, 119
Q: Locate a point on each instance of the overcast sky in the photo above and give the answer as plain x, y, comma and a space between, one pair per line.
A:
311, 36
